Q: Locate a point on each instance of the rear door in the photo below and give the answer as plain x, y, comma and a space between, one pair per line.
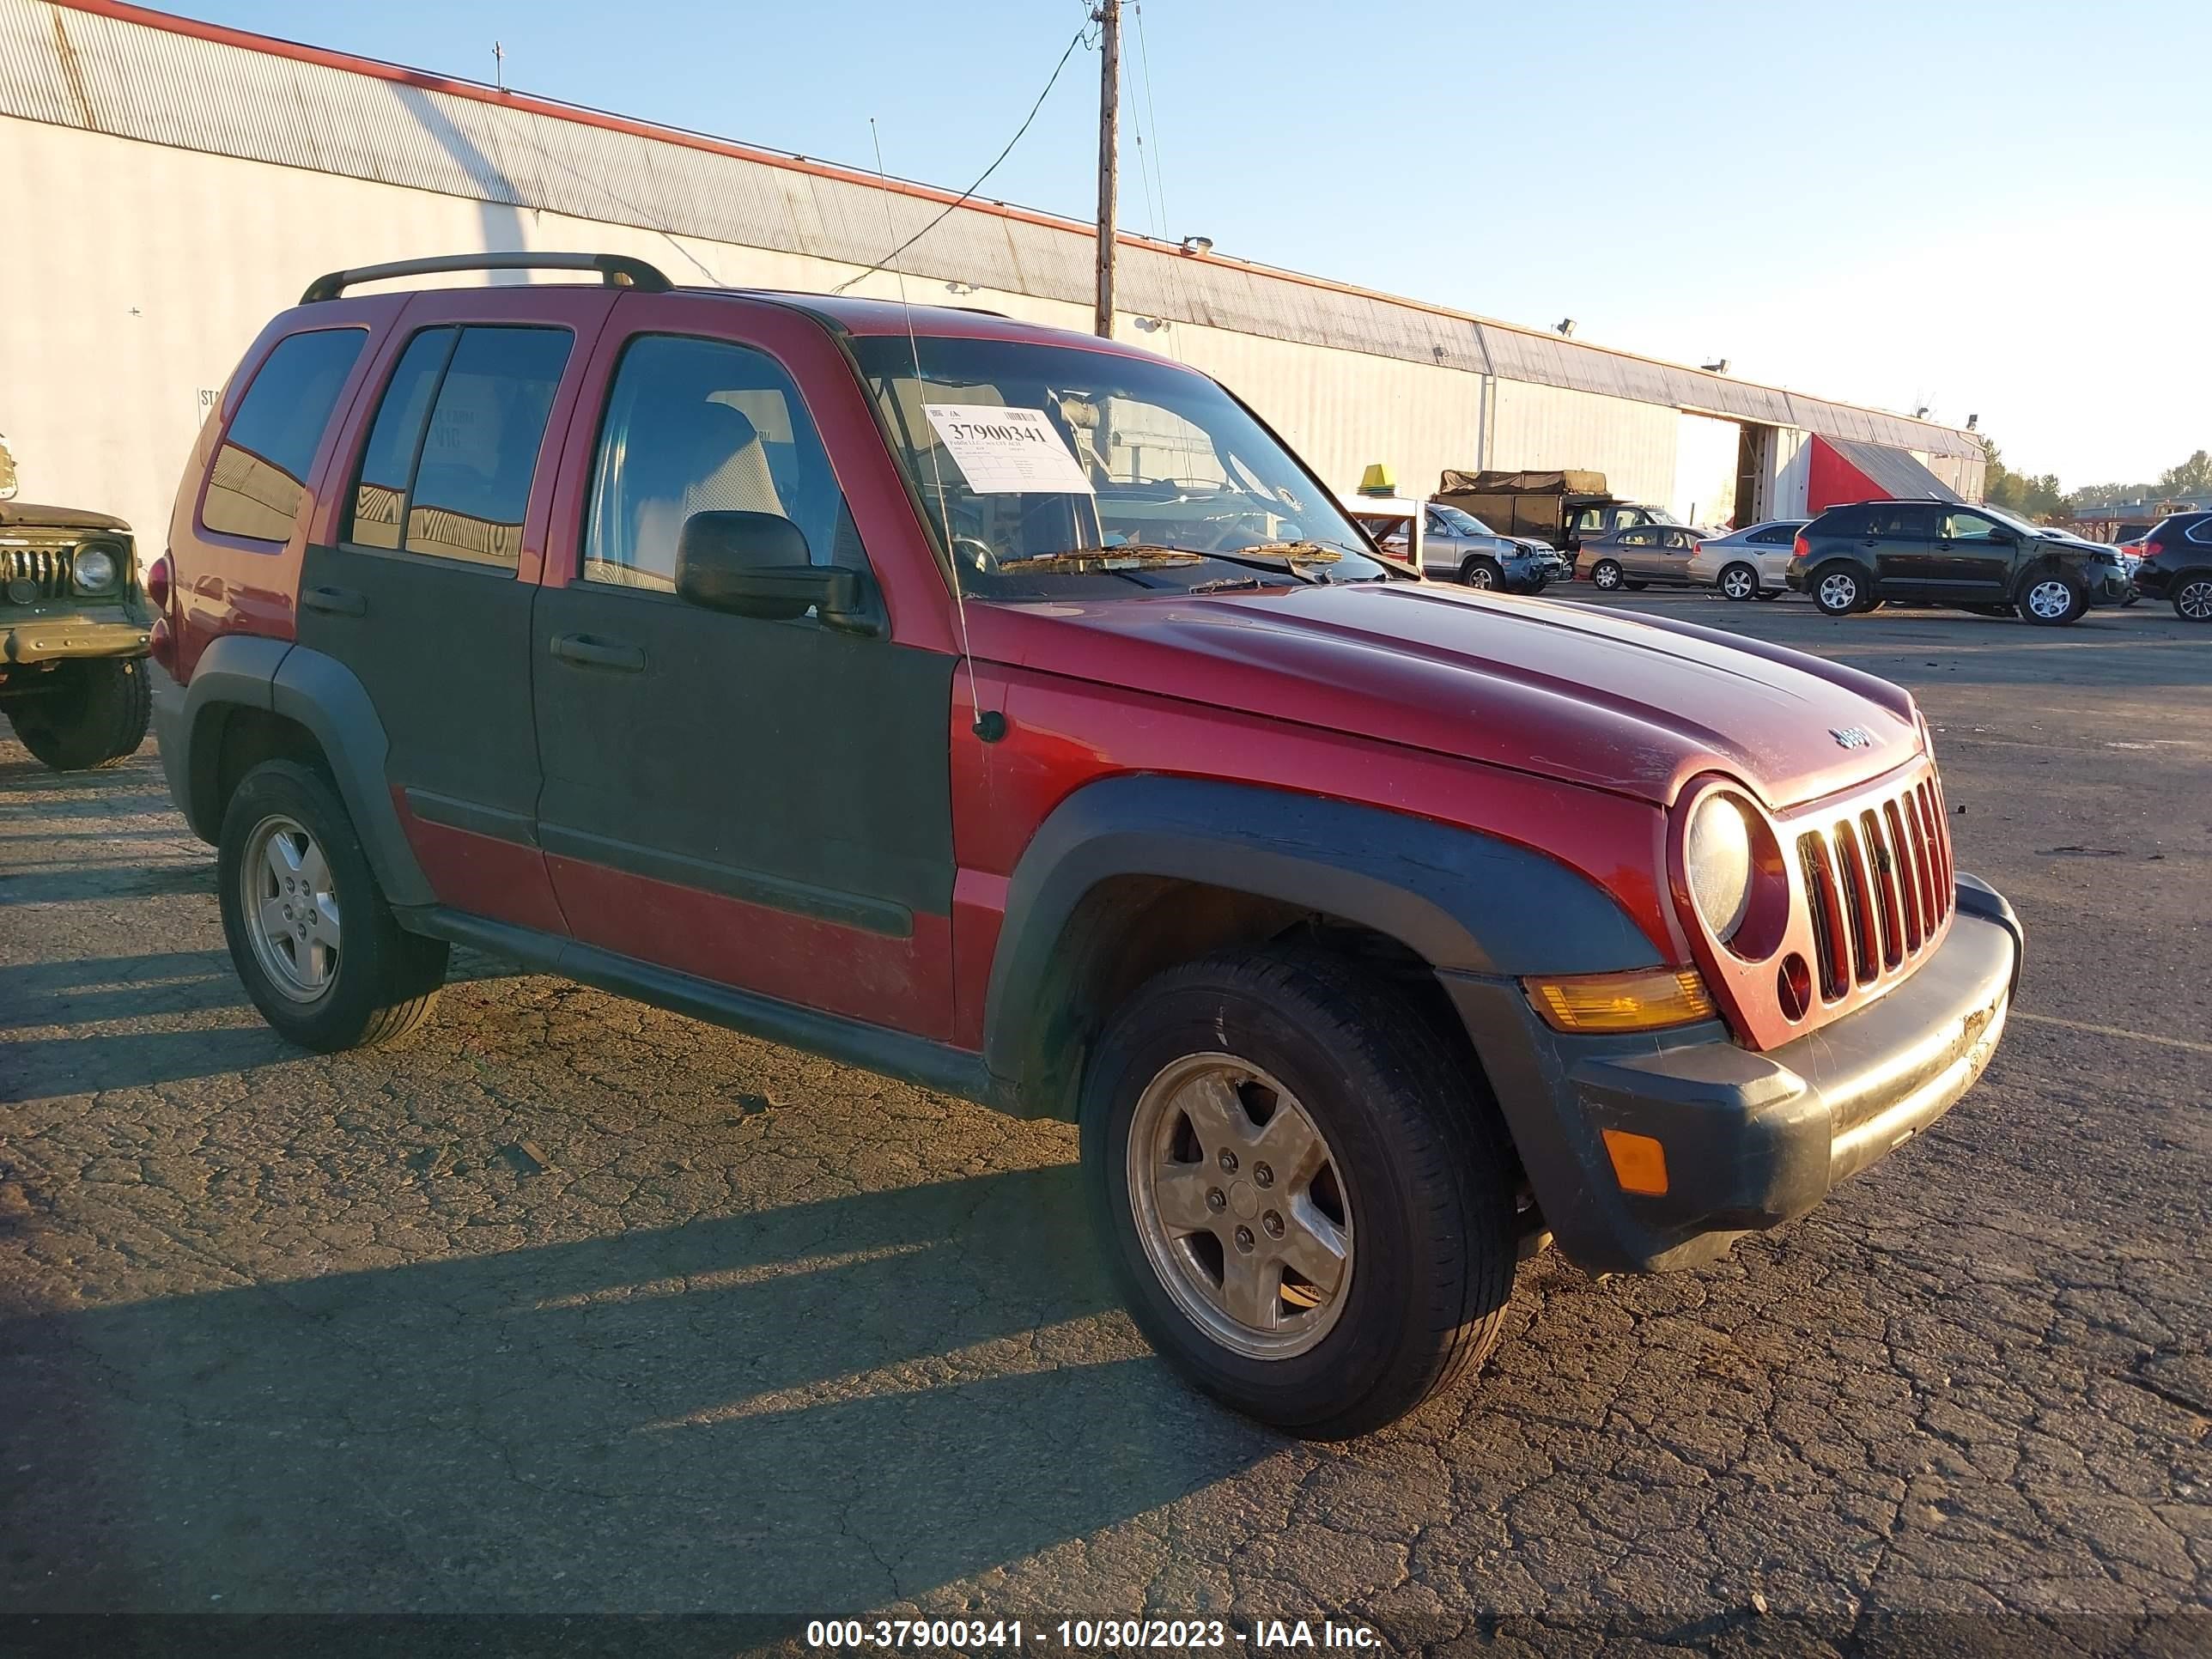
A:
764, 803
1901, 541
424, 590
1675, 547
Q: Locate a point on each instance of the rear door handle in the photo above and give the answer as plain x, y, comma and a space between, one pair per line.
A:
587, 652
338, 601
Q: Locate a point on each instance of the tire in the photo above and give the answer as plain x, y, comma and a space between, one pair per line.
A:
1739, 582
2052, 598
1478, 572
93, 716
1416, 1175
1605, 575
1768, 595
2192, 597
1840, 589
376, 981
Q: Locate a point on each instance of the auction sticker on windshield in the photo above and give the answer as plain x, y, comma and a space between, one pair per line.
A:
1008, 451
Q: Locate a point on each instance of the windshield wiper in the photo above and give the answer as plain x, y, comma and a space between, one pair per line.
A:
1277, 558
1226, 584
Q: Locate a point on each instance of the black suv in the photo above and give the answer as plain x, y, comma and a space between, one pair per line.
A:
1928, 552
2176, 565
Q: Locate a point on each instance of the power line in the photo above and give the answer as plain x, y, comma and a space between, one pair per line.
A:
1152, 118
1074, 41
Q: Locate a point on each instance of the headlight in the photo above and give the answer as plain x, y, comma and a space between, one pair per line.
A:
93, 570
1717, 858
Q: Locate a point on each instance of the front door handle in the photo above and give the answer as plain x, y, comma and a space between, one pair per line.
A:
338, 601
587, 652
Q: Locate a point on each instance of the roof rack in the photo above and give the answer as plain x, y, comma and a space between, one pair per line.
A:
618, 270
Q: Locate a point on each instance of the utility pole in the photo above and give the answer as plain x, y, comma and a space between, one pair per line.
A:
1107, 17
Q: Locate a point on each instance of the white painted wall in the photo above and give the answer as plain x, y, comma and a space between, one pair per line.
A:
1706, 452
1792, 487
156, 267
1542, 427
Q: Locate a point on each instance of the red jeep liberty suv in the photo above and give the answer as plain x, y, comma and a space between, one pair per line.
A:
1009, 711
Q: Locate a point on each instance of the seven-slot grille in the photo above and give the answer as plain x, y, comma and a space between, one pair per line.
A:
45, 568
1878, 881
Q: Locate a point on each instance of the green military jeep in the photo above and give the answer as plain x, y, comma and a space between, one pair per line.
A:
73, 627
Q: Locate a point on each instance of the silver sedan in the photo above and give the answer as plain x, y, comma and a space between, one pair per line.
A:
1746, 563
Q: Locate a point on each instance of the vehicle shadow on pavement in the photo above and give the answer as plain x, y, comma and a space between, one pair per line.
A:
809, 1410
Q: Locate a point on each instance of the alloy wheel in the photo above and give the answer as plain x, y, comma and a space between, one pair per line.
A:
1607, 576
2050, 600
1838, 592
1239, 1205
2194, 600
1738, 583
1481, 575
289, 908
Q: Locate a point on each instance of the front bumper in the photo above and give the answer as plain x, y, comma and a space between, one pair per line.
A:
48, 639
1751, 1140
2109, 586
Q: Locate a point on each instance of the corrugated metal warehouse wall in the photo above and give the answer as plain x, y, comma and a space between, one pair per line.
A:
181, 183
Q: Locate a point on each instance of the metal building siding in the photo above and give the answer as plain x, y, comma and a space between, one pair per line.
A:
1537, 428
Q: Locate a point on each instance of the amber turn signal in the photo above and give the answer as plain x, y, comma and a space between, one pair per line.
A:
1639, 1163
1643, 999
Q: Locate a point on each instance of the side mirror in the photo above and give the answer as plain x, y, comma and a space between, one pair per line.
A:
2001, 534
757, 564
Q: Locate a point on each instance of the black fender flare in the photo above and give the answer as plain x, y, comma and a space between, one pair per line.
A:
1463, 901
318, 693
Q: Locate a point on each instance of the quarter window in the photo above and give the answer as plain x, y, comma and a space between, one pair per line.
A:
260, 473
703, 426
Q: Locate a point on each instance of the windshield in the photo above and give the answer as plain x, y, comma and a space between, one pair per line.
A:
1462, 523
1053, 472
1661, 515
2020, 525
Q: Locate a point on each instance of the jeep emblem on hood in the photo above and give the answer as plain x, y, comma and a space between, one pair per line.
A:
1851, 737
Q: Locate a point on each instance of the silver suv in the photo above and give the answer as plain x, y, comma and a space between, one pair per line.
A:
1455, 545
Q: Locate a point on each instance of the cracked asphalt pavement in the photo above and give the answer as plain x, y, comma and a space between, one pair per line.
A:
572, 1306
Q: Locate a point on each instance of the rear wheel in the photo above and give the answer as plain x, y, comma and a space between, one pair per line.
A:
1478, 572
1605, 574
2053, 598
310, 932
1739, 582
90, 714
1840, 589
2192, 597
1308, 1209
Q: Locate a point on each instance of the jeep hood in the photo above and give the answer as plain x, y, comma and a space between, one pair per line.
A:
1636, 705
15, 515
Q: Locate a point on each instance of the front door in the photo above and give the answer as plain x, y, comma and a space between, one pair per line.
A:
1972, 559
764, 803
1638, 552
425, 590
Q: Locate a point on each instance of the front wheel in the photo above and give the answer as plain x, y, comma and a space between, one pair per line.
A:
1308, 1208
90, 714
1605, 574
1839, 590
313, 939
1482, 573
1739, 582
2192, 599
2053, 599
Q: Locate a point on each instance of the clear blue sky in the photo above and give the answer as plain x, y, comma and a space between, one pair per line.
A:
1900, 201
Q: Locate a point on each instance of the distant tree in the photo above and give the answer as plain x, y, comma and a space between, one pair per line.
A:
2192, 477
2031, 496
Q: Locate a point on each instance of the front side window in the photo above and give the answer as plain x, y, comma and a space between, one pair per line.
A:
1966, 528
1056, 471
703, 426
260, 473
452, 452
1459, 522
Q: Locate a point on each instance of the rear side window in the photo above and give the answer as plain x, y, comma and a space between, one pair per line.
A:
1775, 534
1904, 520
2202, 529
260, 473
453, 451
